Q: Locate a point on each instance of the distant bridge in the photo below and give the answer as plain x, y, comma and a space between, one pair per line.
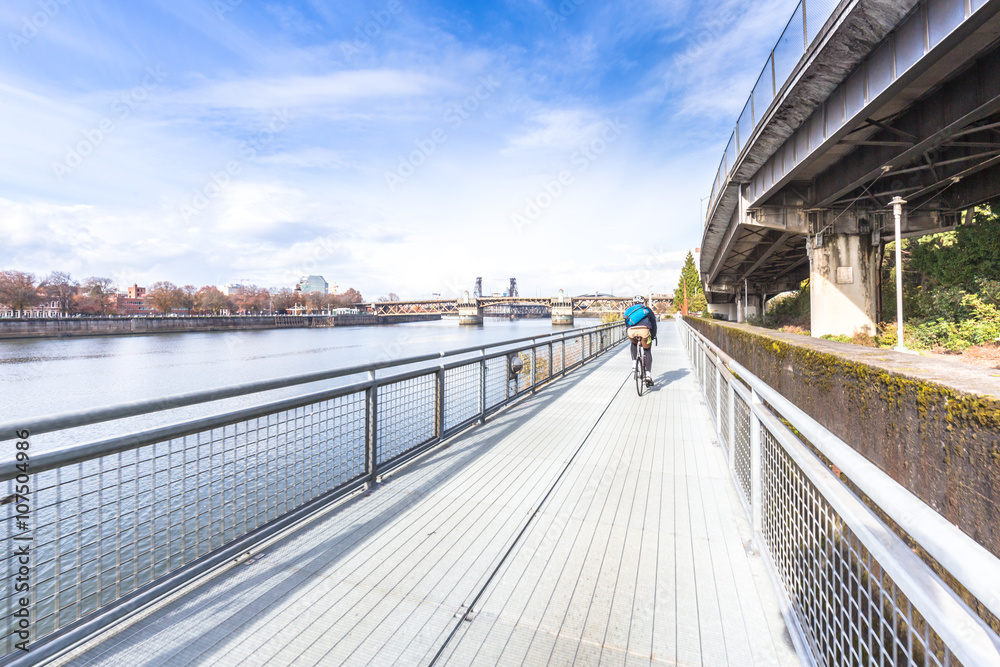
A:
581, 306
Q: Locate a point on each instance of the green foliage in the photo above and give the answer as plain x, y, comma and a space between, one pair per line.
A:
690, 285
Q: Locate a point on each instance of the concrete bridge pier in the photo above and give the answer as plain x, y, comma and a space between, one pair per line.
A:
842, 284
469, 310
562, 310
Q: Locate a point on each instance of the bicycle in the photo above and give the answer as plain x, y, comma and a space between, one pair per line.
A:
640, 367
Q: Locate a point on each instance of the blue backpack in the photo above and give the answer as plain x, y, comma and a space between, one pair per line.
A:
636, 314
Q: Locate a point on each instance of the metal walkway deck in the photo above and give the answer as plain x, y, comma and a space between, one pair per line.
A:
585, 525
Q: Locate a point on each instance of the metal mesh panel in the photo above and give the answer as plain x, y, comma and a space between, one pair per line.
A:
850, 609
462, 394
557, 354
724, 412
524, 377
712, 373
741, 455
406, 416
574, 352
107, 526
543, 364
496, 376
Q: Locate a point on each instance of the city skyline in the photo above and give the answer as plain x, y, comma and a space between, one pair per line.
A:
405, 147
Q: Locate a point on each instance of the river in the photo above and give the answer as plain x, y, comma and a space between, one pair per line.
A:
40, 377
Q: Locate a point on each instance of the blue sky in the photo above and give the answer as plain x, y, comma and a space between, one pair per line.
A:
396, 145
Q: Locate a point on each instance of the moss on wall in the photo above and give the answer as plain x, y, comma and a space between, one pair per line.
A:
941, 443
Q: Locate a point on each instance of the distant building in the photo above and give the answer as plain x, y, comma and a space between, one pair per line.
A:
133, 303
309, 284
232, 289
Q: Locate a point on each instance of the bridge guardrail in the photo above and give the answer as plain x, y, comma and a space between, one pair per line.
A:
121, 521
853, 591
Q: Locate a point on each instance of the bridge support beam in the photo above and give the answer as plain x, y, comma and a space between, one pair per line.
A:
470, 312
562, 311
842, 285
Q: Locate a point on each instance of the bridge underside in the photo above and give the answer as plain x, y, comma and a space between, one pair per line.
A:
635, 554
932, 138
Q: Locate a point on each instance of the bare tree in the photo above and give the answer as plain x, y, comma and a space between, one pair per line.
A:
18, 290
100, 289
283, 299
211, 300
62, 289
164, 296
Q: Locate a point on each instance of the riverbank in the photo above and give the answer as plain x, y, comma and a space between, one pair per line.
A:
20, 328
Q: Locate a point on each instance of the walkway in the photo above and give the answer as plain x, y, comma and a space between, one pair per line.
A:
585, 525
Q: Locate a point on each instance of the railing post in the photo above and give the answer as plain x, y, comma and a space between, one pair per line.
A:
562, 344
482, 389
718, 403
549, 374
732, 427
439, 403
534, 366
756, 478
371, 429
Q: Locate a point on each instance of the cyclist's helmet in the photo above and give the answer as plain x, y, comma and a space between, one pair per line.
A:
638, 298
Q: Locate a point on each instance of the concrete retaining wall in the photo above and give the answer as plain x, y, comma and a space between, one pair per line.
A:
12, 328
932, 425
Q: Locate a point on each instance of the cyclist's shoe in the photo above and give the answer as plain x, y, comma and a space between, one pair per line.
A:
649, 382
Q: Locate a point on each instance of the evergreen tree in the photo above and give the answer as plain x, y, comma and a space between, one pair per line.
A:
690, 283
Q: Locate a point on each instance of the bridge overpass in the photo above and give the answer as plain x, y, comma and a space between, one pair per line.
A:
461, 509
859, 102
472, 309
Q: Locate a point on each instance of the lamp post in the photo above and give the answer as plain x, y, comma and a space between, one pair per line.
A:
700, 202
897, 213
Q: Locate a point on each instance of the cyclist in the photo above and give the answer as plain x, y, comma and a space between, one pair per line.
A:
641, 322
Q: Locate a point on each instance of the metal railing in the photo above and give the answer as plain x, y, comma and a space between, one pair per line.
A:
116, 523
853, 592
919, 32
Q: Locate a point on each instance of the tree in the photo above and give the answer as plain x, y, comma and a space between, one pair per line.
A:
349, 298
18, 290
283, 299
391, 296
62, 289
211, 300
316, 300
689, 295
101, 292
252, 299
164, 296
186, 297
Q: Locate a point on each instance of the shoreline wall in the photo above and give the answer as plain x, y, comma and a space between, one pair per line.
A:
21, 328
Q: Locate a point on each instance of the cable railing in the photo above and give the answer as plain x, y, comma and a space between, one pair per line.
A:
853, 592
113, 524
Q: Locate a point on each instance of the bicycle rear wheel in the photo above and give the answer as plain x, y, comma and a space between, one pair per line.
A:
640, 371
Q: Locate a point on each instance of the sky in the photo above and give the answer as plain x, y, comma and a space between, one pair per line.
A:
402, 146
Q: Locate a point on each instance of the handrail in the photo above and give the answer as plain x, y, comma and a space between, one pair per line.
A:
91, 416
189, 495
969, 563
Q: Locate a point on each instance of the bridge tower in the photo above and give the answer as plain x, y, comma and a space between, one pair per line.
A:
562, 309
469, 310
